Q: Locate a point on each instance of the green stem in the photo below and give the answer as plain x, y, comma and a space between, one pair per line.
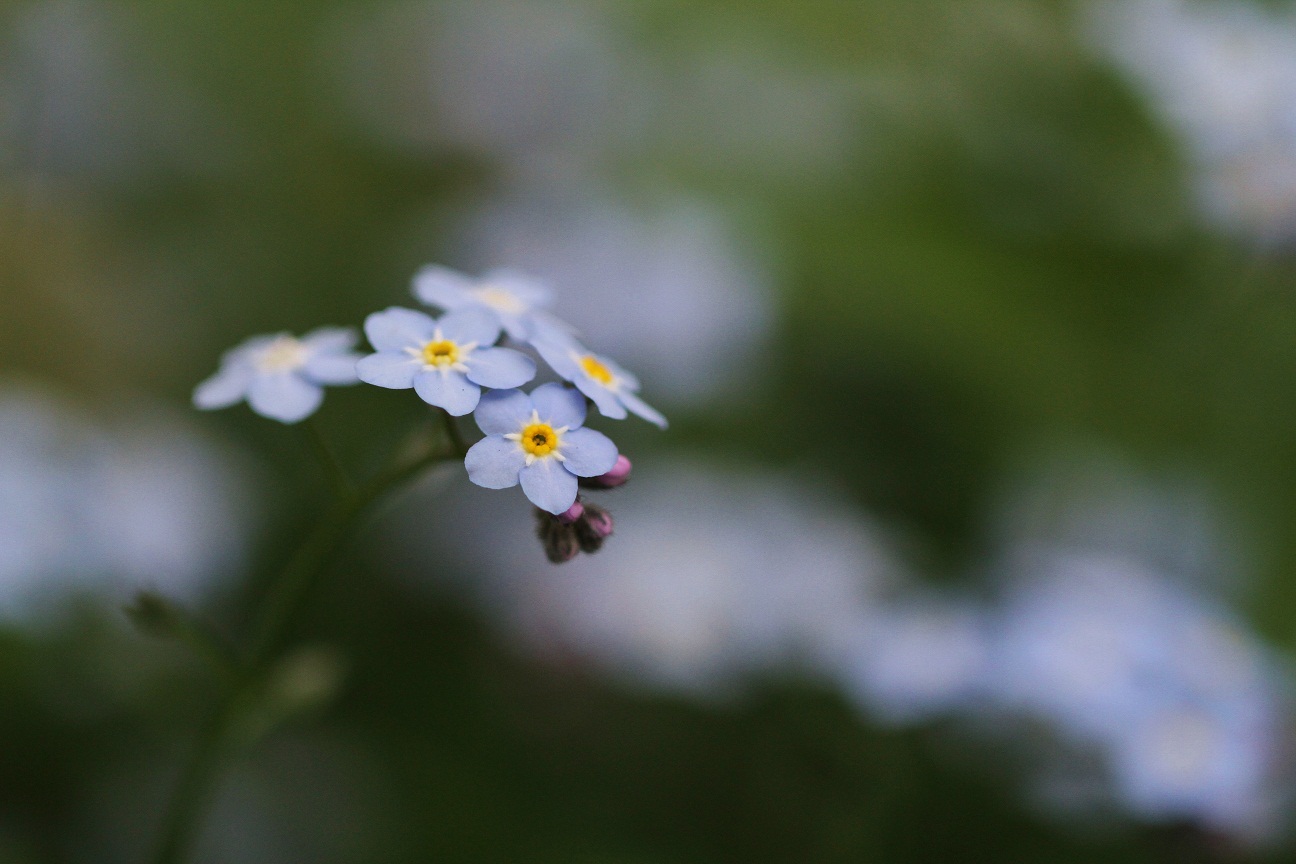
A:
333, 468
201, 774
197, 784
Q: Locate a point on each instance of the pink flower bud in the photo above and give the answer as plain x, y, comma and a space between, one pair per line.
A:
593, 528
617, 475
599, 522
575, 512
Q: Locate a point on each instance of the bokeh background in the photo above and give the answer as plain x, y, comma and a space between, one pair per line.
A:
972, 536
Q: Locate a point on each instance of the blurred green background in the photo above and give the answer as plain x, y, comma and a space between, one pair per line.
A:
952, 242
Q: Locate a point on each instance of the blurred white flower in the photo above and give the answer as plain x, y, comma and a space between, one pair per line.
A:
107, 508
1184, 707
914, 659
1223, 76
667, 290
1076, 640
1114, 640
1207, 762
711, 576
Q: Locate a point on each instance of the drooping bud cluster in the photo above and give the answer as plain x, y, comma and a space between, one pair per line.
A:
583, 528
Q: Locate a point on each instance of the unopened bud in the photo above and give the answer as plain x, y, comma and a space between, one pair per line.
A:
557, 538
619, 474
598, 521
575, 512
593, 528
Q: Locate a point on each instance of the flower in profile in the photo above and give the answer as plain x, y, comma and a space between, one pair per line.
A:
510, 296
281, 376
446, 360
611, 388
537, 440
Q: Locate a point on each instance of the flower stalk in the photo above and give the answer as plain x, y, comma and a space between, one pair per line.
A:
220, 738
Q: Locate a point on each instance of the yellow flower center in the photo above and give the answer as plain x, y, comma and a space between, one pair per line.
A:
539, 439
282, 355
596, 370
500, 300
442, 352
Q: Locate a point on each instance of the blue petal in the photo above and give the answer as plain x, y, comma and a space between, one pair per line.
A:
470, 324
332, 369
503, 411
330, 340
608, 403
389, 369
226, 387
500, 367
588, 453
441, 286
558, 405
547, 326
447, 389
518, 327
395, 329
643, 409
494, 462
559, 352
526, 288
284, 396
549, 485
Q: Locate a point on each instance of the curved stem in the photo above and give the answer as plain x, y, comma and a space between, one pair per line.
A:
199, 778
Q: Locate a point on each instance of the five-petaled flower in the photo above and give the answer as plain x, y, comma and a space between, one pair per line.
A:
538, 441
280, 375
447, 360
608, 386
512, 297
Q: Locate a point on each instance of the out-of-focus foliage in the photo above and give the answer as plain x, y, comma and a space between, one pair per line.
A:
934, 293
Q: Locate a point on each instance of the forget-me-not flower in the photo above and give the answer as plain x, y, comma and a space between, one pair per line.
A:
446, 360
512, 297
281, 376
609, 386
537, 440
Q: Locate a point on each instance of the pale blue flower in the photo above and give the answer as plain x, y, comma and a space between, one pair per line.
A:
1211, 763
513, 298
537, 440
281, 376
446, 360
610, 387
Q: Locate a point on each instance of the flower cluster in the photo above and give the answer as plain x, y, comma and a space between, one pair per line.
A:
457, 361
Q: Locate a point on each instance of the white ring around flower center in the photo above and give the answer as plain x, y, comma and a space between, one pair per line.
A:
539, 440
442, 354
